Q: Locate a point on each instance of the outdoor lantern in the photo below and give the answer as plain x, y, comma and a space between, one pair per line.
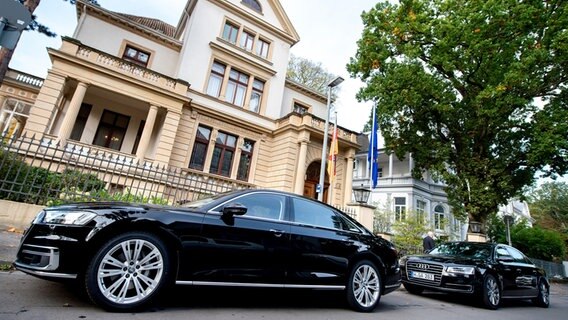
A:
475, 227
361, 194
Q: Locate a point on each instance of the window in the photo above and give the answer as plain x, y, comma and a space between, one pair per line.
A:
216, 79
223, 154
245, 160
399, 208
263, 205
81, 121
256, 95
135, 55
311, 213
237, 88
262, 47
299, 108
420, 210
247, 41
230, 32
253, 4
380, 172
13, 117
138, 136
111, 130
200, 148
439, 217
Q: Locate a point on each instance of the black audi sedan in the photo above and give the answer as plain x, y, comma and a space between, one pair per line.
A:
124, 254
489, 271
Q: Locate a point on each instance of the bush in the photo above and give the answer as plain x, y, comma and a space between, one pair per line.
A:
539, 243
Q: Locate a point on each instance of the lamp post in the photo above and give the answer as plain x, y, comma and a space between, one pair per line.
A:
361, 194
335, 82
508, 220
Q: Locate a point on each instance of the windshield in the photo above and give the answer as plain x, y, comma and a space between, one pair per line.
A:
463, 249
200, 203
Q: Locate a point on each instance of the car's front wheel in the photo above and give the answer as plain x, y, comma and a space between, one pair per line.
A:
128, 271
491, 292
364, 286
543, 298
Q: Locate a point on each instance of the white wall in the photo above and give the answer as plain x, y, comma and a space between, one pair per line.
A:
318, 108
108, 38
205, 26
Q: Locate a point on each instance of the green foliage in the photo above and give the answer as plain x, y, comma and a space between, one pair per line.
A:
456, 84
408, 233
539, 243
382, 218
73, 195
549, 206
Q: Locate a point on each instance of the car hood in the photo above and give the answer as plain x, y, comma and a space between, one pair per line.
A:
447, 259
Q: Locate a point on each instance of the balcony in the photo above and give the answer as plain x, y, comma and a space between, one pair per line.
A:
402, 182
132, 71
317, 124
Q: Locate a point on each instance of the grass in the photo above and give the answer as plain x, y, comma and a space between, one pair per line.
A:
6, 267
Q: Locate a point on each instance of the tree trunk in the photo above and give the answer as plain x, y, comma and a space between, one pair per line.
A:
6, 54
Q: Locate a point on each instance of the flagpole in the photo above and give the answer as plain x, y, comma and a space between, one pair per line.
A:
371, 144
333, 162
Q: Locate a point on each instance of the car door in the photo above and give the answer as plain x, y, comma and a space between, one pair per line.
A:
516, 278
251, 248
526, 274
321, 243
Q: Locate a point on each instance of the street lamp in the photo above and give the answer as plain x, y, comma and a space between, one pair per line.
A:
508, 220
361, 194
335, 82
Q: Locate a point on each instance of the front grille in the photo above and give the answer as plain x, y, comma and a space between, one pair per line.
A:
426, 268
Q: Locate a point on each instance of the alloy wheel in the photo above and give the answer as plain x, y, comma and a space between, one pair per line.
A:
366, 286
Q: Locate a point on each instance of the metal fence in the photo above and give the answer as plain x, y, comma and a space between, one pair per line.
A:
553, 269
43, 171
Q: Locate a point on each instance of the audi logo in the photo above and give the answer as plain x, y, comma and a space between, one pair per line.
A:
422, 266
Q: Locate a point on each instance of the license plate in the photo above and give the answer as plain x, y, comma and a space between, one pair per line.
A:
421, 275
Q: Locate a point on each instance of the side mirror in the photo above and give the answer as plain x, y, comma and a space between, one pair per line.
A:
234, 209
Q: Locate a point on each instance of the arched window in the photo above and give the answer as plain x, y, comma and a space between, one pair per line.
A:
439, 217
253, 4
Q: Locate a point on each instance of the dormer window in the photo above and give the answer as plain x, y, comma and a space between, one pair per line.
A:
136, 55
253, 4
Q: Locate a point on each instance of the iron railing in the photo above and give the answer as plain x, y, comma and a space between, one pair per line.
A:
42, 171
553, 269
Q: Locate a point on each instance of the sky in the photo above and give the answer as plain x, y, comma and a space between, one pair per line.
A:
328, 29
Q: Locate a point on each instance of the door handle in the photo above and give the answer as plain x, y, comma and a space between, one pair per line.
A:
277, 233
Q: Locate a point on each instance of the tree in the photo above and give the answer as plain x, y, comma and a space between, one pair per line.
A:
539, 243
475, 90
309, 73
31, 5
549, 206
408, 233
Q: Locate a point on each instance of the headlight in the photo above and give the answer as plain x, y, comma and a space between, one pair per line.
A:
78, 218
458, 270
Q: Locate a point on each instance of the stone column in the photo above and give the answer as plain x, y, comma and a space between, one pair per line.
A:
301, 168
237, 158
166, 141
146, 133
72, 112
348, 190
42, 112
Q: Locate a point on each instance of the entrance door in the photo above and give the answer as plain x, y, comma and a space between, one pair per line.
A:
312, 180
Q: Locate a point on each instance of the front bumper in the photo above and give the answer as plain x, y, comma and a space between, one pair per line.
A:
54, 252
434, 278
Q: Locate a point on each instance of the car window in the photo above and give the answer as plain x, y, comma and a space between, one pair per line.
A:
517, 255
502, 252
463, 249
262, 205
312, 213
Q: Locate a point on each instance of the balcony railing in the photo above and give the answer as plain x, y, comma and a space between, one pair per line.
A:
24, 78
310, 120
127, 68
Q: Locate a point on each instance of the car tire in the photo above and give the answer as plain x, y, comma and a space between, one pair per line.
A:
543, 298
413, 289
128, 272
491, 292
364, 288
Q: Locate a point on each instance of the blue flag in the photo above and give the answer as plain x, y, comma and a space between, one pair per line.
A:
373, 152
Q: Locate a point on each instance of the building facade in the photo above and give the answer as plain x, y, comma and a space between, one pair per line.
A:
209, 96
